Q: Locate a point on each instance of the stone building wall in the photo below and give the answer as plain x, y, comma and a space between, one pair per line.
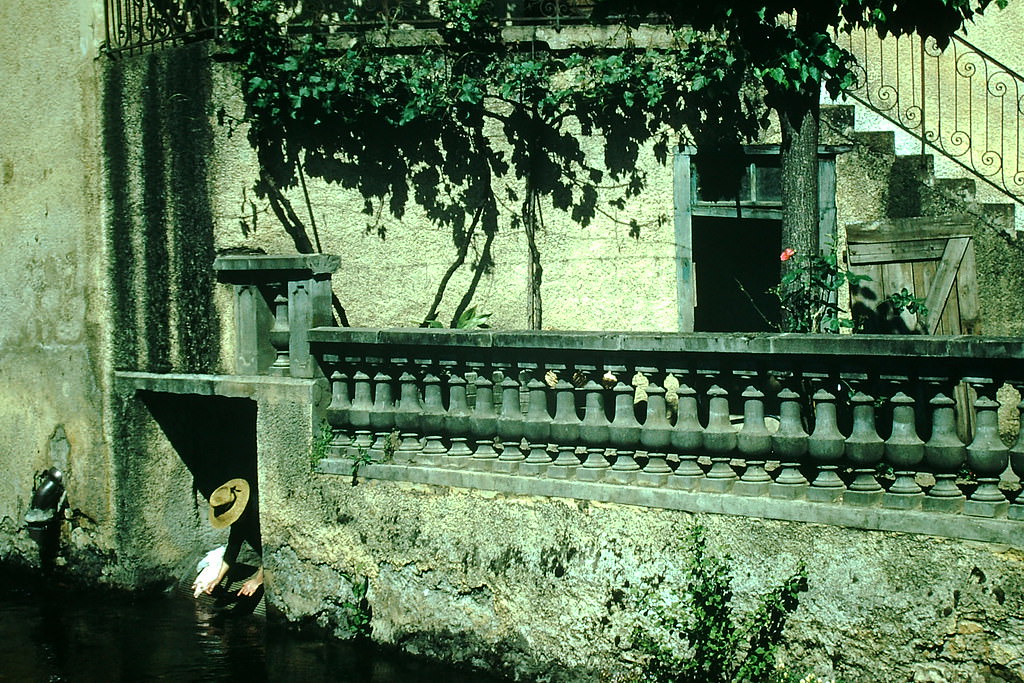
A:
547, 588
53, 304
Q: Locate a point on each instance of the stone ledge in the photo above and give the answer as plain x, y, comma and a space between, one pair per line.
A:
1002, 531
230, 386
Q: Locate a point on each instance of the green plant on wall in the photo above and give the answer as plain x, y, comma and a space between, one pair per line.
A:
692, 633
809, 293
356, 613
321, 443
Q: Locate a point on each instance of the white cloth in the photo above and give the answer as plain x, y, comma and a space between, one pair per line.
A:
208, 569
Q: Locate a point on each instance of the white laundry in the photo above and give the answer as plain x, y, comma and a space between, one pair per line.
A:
208, 568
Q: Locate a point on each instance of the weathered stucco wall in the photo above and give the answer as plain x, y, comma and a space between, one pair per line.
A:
181, 190
52, 275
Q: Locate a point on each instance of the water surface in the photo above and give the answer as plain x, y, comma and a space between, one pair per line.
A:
51, 630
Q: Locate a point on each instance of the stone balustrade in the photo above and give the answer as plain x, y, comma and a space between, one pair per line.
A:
277, 300
868, 422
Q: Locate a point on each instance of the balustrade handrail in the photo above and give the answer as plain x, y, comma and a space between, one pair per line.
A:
959, 101
896, 348
862, 421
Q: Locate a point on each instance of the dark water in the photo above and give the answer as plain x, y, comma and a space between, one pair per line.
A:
53, 631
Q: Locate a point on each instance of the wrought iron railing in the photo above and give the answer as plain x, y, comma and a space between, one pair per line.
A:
958, 101
134, 25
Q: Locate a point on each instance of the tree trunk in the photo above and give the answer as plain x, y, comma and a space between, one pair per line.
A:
799, 158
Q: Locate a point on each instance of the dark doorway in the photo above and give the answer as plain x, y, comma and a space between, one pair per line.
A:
215, 436
736, 262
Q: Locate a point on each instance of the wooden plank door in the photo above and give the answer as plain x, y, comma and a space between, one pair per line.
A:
931, 258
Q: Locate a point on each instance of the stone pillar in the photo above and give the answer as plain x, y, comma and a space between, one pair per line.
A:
655, 437
754, 442
825, 446
594, 433
789, 445
903, 450
719, 441
687, 439
864, 450
987, 456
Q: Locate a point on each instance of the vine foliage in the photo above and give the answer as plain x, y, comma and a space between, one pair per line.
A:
478, 131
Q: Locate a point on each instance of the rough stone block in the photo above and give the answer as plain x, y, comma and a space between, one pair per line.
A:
753, 489
480, 464
717, 485
621, 476
684, 483
533, 468
506, 466
1015, 512
591, 473
561, 472
651, 479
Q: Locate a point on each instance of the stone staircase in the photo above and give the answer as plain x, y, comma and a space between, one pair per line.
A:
890, 183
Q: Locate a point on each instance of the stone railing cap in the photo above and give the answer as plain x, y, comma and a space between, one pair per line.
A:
963, 347
316, 264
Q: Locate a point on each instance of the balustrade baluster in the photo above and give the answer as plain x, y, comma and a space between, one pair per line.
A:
432, 420
789, 445
483, 424
456, 422
987, 456
565, 429
719, 442
337, 415
687, 439
945, 453
407, 415
359, 412
280, 338
382, 416
903, 450
537, 425
1016, 511
594, 433
656, 436
864, 450
624, 432
825, 446
754, 442
510, 426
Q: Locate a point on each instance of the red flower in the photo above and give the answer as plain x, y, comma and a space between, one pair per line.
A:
787, 254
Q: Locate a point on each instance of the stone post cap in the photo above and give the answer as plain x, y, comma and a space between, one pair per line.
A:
315, 264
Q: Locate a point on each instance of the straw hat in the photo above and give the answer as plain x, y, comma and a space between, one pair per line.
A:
227, 503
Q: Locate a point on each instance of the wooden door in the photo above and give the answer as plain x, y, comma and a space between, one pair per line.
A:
932, 258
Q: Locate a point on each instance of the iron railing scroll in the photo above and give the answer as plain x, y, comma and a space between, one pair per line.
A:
135, 25
958, 101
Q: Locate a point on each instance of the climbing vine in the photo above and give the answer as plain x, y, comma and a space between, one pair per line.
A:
477, 130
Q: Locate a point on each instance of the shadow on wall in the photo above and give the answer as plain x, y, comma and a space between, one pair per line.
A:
157, 137
214, 436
